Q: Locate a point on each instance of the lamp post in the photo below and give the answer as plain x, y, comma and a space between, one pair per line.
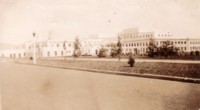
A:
34, 57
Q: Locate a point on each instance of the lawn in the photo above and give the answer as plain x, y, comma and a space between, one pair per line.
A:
169, 69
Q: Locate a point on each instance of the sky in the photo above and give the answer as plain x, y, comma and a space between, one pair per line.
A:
66, 19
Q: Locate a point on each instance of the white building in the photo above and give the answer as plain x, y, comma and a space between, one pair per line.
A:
52, 48
137, 42
94, 43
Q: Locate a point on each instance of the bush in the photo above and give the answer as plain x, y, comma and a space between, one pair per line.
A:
103, 53
131, 61
191, 53
197, 53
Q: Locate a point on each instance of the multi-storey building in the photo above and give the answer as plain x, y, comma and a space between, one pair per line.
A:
137, 42
134, 41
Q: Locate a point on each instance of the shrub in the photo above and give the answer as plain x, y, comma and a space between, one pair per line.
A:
197, 53
103, 52
131, 61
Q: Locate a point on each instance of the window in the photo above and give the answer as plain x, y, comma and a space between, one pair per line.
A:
48, 53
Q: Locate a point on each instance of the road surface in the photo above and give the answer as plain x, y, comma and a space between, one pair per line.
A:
28, 87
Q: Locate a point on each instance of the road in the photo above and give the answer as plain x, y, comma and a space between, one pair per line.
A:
29, 87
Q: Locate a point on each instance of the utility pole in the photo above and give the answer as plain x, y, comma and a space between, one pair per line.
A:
34, 57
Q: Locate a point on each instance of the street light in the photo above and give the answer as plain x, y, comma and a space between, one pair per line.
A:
34, 58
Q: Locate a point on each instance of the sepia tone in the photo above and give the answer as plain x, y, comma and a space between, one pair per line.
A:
99, 55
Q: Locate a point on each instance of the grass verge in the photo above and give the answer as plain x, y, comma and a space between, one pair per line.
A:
157, 68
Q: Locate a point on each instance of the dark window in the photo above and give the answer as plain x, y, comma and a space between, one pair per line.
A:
48, 53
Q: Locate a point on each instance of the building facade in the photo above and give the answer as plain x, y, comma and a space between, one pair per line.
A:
137, 42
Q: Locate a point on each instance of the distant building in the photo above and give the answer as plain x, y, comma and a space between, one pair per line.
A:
137, 42
52, 48
94, 43
134, 41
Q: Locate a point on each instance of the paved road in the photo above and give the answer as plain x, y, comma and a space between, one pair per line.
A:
28, 87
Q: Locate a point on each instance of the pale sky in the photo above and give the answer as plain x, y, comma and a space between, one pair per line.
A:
66, 19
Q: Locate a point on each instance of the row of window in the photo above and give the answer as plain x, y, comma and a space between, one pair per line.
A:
180, 42
136, 51
137, 36
14, 55
58, 45
56, 53
194, 48
182, 48
195, 42
134, 44
164, 35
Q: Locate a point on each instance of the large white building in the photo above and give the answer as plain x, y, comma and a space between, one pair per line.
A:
137, 42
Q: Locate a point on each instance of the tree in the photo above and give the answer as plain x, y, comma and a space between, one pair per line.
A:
102, 52
65, 49
77, 51
119, 50
167, 49
152, 49
113, 52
